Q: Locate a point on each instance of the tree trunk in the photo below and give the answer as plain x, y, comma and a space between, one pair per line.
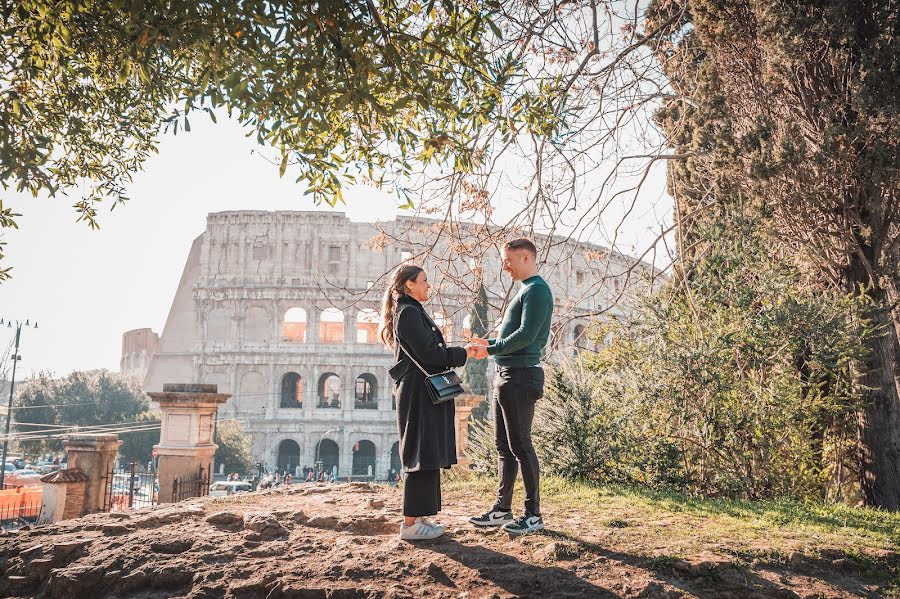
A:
877, 383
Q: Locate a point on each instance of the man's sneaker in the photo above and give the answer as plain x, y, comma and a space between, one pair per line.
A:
420, 530
494, 517
524, 524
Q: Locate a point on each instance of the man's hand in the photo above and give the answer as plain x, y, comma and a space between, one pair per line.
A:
477, 351
478, 341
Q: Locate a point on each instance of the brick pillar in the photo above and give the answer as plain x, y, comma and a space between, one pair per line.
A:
186, 440
465, 403
95, 456
62, 495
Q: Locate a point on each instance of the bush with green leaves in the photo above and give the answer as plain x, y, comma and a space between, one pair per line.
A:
735, 380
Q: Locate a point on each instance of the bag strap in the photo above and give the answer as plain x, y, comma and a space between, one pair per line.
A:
409, 355
406, 351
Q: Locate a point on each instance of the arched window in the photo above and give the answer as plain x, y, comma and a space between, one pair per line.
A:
367, 326
291, 390
364, 458
445, 324
294, 327
328, 455
396, 466
288, 456
366, 392
331, 326
329, 390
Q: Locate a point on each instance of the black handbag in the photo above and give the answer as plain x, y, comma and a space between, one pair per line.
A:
442, 386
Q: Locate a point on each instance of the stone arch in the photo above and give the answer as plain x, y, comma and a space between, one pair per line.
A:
328, 454
367, 322
288, 456
293, 328
331, 326
291, 390
579, 339
363, 458
329, 390
396, 465
256, 324
218, 325
366, 392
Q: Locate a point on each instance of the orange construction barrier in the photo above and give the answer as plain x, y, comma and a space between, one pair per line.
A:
24, 502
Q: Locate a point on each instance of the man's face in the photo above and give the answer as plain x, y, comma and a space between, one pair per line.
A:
516, 262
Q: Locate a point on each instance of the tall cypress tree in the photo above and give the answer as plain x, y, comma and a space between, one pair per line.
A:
793, 107
475, 373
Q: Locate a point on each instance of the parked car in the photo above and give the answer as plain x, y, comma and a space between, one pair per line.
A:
46, 467
22, 478
229, 487
19, 463
9, 467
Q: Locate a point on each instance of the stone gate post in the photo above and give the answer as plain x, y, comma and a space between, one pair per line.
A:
186, 439
95, 456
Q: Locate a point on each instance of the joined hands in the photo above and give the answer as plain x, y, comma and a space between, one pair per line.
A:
477, 348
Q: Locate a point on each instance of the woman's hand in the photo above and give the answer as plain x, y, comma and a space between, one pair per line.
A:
477, 351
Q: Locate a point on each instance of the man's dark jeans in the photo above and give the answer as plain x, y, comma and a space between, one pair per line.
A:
516, 390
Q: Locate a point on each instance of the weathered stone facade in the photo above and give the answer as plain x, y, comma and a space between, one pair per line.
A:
255, 313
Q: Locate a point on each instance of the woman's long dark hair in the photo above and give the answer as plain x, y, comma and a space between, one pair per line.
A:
396, 288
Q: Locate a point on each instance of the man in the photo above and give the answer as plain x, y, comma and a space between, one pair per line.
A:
519, 383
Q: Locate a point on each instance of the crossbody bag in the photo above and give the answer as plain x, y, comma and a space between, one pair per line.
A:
442, 386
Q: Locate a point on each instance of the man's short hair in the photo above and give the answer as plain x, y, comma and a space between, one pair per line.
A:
521, 243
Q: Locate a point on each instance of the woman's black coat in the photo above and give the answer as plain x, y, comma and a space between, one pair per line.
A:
427, 431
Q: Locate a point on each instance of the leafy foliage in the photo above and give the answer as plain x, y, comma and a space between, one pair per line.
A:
234, 447
792, 108
85, 399
736, 384
336, 88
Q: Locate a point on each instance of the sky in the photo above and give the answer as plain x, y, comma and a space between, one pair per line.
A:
86, 288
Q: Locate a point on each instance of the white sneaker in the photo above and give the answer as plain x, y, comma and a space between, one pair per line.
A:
420, 530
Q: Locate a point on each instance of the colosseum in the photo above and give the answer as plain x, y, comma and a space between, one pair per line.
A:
280, 310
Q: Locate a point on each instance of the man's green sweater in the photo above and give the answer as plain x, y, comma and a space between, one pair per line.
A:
525, 327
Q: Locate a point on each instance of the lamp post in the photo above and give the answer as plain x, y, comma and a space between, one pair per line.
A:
12, 385
339, 429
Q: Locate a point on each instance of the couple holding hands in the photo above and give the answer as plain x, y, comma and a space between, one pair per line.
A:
428, 431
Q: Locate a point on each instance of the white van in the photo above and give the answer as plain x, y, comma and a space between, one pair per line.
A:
229, 487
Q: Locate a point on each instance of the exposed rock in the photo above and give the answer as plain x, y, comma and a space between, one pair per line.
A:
115, 529
227, 520
323, 522
172, 545
267, 527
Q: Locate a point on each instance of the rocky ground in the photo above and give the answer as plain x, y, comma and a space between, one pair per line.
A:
340, 541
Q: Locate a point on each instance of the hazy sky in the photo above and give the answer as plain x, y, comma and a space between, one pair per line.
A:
85, 288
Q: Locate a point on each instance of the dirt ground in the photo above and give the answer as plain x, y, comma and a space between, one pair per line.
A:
341, 541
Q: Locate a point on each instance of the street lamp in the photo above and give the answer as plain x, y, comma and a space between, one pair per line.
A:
12, 385
339, 429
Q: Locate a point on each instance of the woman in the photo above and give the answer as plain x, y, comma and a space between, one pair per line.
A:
427, 431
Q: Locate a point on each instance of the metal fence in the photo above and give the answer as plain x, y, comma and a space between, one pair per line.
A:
130, 487
184, 488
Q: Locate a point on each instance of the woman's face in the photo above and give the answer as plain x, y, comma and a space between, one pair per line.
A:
419, 288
